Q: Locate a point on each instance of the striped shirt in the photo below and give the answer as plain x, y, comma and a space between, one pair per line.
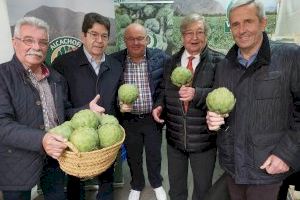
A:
137, 74
47, 102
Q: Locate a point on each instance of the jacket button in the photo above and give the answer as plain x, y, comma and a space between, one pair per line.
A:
42, 127
9, 151
38, 103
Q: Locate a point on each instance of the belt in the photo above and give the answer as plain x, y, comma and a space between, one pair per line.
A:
136, 116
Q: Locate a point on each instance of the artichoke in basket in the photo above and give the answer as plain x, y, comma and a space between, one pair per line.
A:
109, 134
108, 119
65, 130
220, 100
85, 118
85, 139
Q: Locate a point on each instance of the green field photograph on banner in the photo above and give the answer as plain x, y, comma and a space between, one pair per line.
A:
155, 16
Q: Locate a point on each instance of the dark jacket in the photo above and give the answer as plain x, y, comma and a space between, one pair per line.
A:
22, 125
156, 59
83, 82
266, 118
188, 131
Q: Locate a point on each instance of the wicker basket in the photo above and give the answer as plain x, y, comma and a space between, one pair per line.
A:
88, 164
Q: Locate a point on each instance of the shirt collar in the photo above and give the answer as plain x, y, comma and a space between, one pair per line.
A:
90, 58
186, 55
44, 69
243, 61
128, 58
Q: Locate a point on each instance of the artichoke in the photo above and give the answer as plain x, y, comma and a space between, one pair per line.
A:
181, 76
128, 93
220, 100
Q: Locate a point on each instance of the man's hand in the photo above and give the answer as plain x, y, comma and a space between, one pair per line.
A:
186, 93
95, 107
274, 165
54, 145
214, 120
125, 107
156, 113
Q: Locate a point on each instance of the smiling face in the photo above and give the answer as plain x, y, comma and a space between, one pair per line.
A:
247, 28
194, 38
31, 45
135, 38
95, 40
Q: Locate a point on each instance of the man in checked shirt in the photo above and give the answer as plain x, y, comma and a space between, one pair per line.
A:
143, 67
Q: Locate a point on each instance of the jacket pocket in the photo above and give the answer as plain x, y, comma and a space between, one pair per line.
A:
263, 144
267, 86
225, 147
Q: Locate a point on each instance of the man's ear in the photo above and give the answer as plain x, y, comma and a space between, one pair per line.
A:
82, 36
263, 23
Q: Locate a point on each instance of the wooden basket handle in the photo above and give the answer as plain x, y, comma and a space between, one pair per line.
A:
72, 147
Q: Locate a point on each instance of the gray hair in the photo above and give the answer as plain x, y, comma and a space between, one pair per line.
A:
191, 18
260, 11
33, 21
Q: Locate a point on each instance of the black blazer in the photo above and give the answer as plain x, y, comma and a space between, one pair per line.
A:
84, 84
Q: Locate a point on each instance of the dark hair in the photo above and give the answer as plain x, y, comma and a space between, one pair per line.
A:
91, 18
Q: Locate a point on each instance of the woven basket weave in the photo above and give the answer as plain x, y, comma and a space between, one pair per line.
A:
88, 164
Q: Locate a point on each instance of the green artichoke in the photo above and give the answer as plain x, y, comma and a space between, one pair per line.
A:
128, 93
85, 118
220, 100
181, 76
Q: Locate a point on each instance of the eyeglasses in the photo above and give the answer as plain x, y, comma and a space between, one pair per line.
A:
138, 39
30, 42
191, 34
96, 36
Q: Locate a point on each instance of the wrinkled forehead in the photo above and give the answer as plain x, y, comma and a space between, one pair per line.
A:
30, 30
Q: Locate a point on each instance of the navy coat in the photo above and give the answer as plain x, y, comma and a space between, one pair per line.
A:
266, 117
22, 126
84, 84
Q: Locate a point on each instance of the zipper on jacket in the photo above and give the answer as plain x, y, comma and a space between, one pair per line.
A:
184, 125
185, 134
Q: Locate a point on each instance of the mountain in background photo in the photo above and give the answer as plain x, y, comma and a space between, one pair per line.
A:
203, 7
63, 21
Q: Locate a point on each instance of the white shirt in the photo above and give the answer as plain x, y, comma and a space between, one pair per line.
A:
95, 65
185, 59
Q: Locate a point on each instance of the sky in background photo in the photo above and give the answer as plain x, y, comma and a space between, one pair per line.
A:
17, 8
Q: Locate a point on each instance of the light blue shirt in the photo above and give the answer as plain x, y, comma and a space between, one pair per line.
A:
243, 61
95, 65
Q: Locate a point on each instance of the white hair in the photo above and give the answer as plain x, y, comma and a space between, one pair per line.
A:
33, 21
258, 4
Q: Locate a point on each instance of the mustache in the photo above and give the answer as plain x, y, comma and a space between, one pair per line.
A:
35, 53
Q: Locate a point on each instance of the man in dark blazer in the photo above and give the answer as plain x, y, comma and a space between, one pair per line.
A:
89, 71
33, 101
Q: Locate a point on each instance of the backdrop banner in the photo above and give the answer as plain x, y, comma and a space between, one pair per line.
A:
64, 18
6, 49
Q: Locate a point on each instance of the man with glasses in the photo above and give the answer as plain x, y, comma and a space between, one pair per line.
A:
89, 71
143, 67
33, 100
189, 141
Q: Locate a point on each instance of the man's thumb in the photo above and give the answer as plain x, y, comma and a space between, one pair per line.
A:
96, 99
266, 163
